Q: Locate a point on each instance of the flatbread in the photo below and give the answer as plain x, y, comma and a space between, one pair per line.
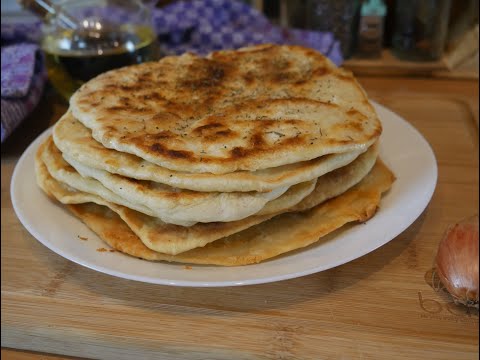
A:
64, 173
154, 233
75, 141
222, 207
261, 107
340, 180
277, 236
171, 205
174, 239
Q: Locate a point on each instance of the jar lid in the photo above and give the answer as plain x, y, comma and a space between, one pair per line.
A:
373, 8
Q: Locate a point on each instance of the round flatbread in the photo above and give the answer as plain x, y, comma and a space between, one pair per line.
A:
171, 205
282, 234
257, 108
75, 141
174, 239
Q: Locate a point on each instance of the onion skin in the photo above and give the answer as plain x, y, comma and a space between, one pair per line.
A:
457, 262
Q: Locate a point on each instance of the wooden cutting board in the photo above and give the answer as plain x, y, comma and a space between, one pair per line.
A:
378, 306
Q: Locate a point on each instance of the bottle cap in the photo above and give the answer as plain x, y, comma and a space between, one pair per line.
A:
373, 8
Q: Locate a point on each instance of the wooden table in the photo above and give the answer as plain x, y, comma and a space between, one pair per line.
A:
378, 306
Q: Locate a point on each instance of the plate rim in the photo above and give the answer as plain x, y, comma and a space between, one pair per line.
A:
30, 151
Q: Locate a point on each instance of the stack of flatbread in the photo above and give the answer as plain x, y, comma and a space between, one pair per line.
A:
228, 159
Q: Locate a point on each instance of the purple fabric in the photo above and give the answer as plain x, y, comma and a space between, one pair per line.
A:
17, 32
202, 26
18, 66
23, 80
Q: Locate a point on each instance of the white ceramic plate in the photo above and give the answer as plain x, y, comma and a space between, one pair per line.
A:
402, 148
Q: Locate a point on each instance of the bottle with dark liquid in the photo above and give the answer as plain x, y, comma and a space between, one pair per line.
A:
421, 28
84, 38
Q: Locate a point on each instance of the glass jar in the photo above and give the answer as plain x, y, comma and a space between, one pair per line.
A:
337, 16
420, 29
88, 37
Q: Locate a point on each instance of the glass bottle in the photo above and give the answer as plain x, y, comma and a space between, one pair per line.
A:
98, 36
420, 29
371, 29
337, 16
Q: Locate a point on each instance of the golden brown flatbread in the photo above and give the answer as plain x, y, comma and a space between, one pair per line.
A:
173, 239
171, 205
75, 141
277, 236
255, 108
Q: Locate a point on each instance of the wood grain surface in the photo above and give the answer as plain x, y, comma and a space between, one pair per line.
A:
388, 65
379, 306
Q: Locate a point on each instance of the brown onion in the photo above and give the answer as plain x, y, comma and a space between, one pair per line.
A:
457, 261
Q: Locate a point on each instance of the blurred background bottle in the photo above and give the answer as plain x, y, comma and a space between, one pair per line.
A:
337, 16
371, 29
84, 38
420, 29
